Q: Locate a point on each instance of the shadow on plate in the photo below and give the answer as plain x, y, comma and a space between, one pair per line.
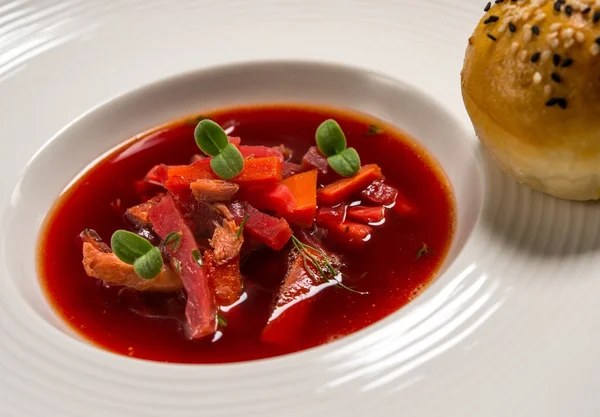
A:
535, 223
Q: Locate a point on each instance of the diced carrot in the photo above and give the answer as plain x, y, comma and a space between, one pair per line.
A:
304, 188
276, 198
341, 190
260, 171
366, 215
225, 279
379, 193
266, 229
349, 234
260, 152
190, 173
331, 215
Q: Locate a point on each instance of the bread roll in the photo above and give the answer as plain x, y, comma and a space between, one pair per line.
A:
531, 86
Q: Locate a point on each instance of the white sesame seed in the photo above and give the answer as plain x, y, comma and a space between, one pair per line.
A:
548, 90
514, 47
539, 17
580, 37
555, 26
501, 28
523, 55
567, 33
546, 54
526, 15
537, 78
552, 35
568, 43
555, 43
595, 49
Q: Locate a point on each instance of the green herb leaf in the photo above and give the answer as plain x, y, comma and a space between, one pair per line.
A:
346, 163
176, 264
128, 246
210, 137
229, 163
374, 130
330, 138
241, 228
197, 257
149, 265
173, 240
424, 250
221, 320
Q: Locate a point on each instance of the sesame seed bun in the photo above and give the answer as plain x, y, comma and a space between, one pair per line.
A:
531, 86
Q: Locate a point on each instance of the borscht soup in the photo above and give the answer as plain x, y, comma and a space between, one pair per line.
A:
246, 233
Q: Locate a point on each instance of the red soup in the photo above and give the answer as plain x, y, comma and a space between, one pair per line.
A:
268, 247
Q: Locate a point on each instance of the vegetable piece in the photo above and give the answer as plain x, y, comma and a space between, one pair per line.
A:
258, 171
273, 197
314, 159
213, 190
260, 152
332, 143
296, 295
350, 235
366, 215
225, 279
234, 140
404, 207
200, 308
304, 189
227, 161
101, 263
424, 250
290, 168
346, 163
134, 250
157, 174
331, 215
379, 193
266, 229
343, 189
190, 173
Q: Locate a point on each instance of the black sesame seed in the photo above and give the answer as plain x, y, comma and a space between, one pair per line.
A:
567, 63
491, 19
535, 29
535, 57
586, 10
597, 17
598, 40
512, 27
556, 77
492, 37
560, 101
562, 1
499, 1
488, 7
556, 59
569, 10
557, 6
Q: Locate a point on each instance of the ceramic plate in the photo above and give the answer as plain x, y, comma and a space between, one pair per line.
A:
509, 326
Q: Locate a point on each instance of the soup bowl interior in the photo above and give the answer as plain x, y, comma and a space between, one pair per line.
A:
95, 133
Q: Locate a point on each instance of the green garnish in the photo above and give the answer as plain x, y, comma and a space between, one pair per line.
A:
177, 264
332, 143
173, 240
424, 250
197, 257
374, 130
221, 320
241, 228
135, 250
317, 260
227, 161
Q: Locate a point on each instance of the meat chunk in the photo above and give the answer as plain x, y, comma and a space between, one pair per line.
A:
139, 215
100, 262
225, 278
213, 190
287, 153
225, 242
